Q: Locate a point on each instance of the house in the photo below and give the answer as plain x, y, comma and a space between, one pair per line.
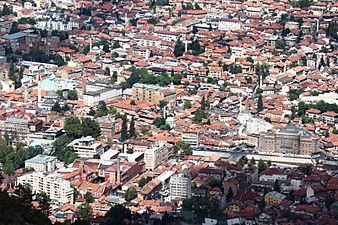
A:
274, 198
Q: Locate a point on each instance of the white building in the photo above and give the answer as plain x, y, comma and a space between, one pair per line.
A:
42, 163
86, 147
191, 137
330, 97
100, 91
257, 126
180, 185
229, 24
159, 152
57, 189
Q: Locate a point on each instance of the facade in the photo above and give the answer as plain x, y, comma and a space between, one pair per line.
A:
288, 140
274, 198
100, 91
191, 137
180, 185
18, 126
86, 147
159, 152
229, 24
152, 93
57, 189
42, 163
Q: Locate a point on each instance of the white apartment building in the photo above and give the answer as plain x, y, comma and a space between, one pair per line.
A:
180, 185
86, 147
159, 152
57, 189
100, 91
191, 137
229, 24
42, 163
147, 40
167, 35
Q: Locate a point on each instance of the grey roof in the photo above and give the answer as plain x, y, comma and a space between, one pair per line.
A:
41, 159
15, 35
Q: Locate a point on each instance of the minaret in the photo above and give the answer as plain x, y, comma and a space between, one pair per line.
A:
260, 81
25, 95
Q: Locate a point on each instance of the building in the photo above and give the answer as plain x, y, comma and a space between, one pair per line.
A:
180, 185
229, 24
17, 126
274, 198
288, 140
100, 91
191, 137
42, 163
159, 152
152, 93
86, 147
57, 189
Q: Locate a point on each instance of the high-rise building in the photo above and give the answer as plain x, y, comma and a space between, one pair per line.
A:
180, 185
159, 152
52, 184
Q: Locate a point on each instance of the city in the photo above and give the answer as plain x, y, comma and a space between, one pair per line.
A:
168, 112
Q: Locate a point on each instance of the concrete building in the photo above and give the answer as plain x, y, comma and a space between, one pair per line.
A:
17, 126
57, 189
229, 24
100, 91
159, 152
180, 185
191, 137
152, 93
42, 163
86, 147
288, 140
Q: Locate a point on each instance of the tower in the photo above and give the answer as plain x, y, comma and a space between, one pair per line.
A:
90, 44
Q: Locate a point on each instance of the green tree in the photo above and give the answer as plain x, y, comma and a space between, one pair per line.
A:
188, 204
132, 130
179, 48
159, 121
117, 215
252, 161
260, 103
124, 131
162, 104
280, 44
85, 211
276, 186
261, 166
130, 194
72, 95
43, 199
301, 108
89, 197
187, 105
56, 107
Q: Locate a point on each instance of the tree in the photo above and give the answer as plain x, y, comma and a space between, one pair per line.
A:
85, 211
194, 30
124, 132
243, 161
106, 47
179, 48
187, 104
187, 204
43, 199
252, 161
195, 47
102, 109
230, 193
159, 121
261, 166
89, 197
72, 95
132, 131
294, 94
200, 114
56, 107
117, 214
276, 186
76, 127
301, 108
130, 193
163, 103
321, 63
260, 103
203, 103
